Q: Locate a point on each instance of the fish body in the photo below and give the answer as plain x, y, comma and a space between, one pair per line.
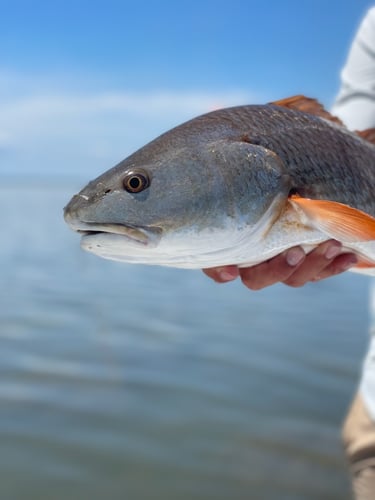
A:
234, 186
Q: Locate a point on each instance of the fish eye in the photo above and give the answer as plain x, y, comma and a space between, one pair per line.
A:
136, 181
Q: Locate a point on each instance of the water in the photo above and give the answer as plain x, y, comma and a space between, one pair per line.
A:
143, 383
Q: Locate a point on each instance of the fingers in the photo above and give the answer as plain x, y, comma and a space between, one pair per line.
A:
280, 268
267, 273
340, 264
222, 274
322, 262
293, 267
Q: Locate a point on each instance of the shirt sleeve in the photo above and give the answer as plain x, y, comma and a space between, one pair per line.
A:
355, 103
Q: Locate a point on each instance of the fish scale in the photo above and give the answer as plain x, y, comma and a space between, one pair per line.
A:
312, 148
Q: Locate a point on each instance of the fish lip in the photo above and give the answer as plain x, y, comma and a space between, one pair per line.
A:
142, 235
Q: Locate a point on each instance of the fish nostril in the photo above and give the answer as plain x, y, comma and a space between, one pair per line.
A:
292, 192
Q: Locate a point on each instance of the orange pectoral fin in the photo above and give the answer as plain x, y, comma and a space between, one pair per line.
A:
364, 264
337, 220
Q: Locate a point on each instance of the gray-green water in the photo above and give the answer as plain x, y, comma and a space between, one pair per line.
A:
141, 383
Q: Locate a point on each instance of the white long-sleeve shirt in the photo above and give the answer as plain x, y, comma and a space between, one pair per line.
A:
355, 105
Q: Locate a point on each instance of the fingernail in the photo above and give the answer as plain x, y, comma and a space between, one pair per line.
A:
294, 256
332, 251
227, 275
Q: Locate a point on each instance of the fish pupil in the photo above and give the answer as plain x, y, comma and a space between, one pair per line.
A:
135, 182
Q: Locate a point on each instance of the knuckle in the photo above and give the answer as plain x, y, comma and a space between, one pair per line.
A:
250, 282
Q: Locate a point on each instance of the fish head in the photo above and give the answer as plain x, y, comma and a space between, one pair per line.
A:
182, 206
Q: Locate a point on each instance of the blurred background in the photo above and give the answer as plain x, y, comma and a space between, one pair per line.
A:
132, 382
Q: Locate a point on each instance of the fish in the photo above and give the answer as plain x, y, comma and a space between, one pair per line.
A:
238, 186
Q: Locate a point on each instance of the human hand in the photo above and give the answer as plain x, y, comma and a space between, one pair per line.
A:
292, 267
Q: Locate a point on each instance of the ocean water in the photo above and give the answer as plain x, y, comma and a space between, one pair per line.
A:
142, 383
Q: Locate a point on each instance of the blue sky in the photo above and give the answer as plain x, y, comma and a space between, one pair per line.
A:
84, 83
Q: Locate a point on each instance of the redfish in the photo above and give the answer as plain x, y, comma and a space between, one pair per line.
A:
235, 186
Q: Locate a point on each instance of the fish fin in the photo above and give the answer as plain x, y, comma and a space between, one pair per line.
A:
335, 219
364, 264
366, 270
307, 105
368, 135
370, 271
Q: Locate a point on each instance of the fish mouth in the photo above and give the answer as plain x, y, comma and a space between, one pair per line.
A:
146, 236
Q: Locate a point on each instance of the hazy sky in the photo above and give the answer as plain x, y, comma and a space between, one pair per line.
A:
84, 83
